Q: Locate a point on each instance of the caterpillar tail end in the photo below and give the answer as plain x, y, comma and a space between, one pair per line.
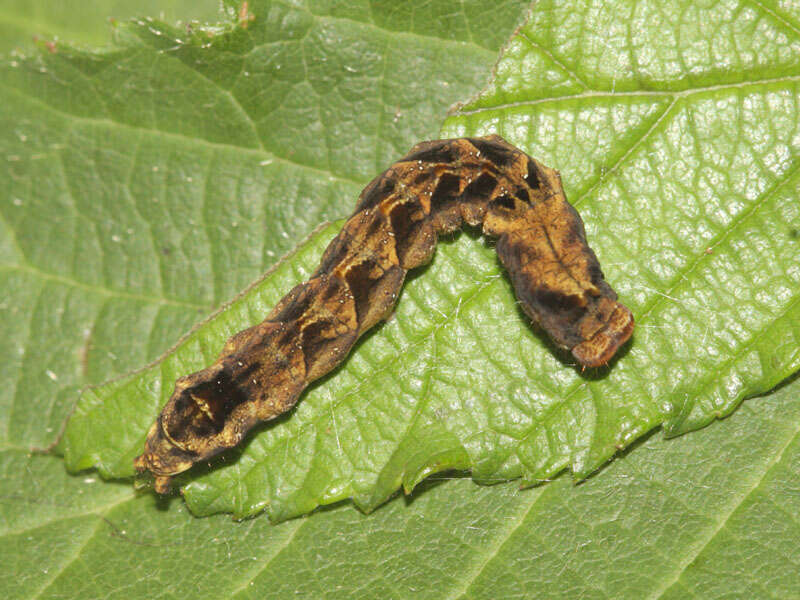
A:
161, 483
161, 458
599, 349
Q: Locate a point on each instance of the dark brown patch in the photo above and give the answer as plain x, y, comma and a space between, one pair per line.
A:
323, 347
360, 279
595, 273
480, 187
374, 290
410, 228
556, 301
436, 153
532, 175
301, 298
446, 192
316, 335
494, 152
376, 192
504, 201
202, 409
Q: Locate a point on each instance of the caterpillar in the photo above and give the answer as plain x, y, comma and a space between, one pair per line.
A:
433, 190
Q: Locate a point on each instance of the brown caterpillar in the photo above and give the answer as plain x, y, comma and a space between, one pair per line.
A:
436, 188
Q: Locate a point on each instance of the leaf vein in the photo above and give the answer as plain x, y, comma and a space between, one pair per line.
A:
594, 95
108, 122
99, 289
77, 553
692, 555
493, 551
276, 552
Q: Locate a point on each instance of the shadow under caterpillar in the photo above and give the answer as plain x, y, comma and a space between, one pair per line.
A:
433, 190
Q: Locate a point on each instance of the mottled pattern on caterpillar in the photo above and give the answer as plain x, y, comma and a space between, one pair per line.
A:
436, 188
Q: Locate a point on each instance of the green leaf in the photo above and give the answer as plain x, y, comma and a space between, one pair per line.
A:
688, 186
147, 185
709, 514
87, 21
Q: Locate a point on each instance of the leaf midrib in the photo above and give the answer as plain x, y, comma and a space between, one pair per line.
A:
277, 550
103, 291
108, 123
82, 546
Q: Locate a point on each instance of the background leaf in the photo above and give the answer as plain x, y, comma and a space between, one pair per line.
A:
672, 518
87, 21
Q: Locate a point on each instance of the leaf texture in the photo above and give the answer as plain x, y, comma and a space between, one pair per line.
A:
149, 184
110, 160
86, 22
706, 515
686, 188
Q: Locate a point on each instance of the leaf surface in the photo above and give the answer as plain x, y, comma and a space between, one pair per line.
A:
688, 185
89, 294
706, 515
147, 185
87, 21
